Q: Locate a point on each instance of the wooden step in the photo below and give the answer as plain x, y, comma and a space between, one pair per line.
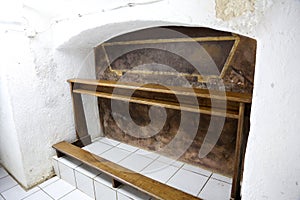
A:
123, 175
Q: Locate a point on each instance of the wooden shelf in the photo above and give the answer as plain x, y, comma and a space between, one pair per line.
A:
204, 93
152, 187
160, 103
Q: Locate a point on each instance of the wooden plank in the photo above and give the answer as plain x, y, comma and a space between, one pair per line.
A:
153, 188
166, 104
79, 117
236, 180
205, 93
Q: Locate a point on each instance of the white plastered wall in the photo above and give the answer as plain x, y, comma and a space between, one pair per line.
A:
39, 95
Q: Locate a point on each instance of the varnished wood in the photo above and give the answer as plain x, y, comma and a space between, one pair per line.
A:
79, 118
153, 188
236, 181
166, 104
204, 93
172, 40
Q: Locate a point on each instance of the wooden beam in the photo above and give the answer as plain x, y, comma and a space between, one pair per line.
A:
166, 104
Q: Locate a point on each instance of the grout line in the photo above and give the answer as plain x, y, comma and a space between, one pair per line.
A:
221, 180
45, 192
204, 184
179, 168
2, 196
4, 176
66, 194
32, 193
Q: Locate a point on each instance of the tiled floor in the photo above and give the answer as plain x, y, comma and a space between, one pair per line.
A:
54, 188
79, 181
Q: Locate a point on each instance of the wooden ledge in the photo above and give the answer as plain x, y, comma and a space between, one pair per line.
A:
121, 174
204, 93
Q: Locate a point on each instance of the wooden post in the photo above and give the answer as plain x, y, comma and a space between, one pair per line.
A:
79, 119
236, 182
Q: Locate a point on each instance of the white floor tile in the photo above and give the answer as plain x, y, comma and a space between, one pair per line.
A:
97, 147
39, 195
188, 181
127, 147
6, 183
115, 154
147, 154
85, 184
1, 198
159, 171
17, 193
58, 189
109, 141
104, 193
49, 181
197, 170
67, 173
3, 173
126, 192
216, 190
222, 178
136, 162
76, 195
170, 161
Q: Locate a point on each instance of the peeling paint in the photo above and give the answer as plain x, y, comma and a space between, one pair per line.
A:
228, 9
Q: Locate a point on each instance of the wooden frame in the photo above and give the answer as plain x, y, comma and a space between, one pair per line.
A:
199, 77
103, 88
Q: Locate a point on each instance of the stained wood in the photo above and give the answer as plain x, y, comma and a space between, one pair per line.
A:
166, 104
229, 96
236, 181
153, 188
79, 117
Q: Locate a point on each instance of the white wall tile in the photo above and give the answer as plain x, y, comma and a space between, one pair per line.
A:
67, 173
104, 193
55, 165
85, 184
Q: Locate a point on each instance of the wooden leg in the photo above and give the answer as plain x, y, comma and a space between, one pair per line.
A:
80, 122
236, 182
116, 183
